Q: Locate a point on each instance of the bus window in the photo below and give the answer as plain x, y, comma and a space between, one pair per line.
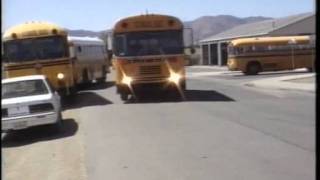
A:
149, 43
38, 48
119, 43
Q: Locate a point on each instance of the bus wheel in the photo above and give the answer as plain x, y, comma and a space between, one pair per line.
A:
183, 85
85, 77
124, 96
253, 68
103, 77
73, 90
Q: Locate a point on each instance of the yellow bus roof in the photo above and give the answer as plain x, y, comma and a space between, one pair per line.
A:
149, 22
33, 29
271, 40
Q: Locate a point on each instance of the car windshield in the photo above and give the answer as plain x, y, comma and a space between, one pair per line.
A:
23, 88
35, 49
149, 43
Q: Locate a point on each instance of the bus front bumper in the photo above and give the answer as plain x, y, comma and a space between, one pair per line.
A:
148, 84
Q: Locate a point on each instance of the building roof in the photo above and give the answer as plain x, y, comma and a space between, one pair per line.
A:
257, 28
283, 40
85, 40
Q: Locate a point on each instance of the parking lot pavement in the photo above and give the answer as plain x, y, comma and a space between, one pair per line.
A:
42, 153
298, 79
303, 82
222, 129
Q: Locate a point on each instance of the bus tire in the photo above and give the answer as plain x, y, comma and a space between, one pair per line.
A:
85, 76
73, 90
85, 79
124, 96
183, 85
103, 77
253, 68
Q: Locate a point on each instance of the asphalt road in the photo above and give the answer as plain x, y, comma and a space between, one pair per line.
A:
222, 130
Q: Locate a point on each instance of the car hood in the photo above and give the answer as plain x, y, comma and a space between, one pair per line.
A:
26, 99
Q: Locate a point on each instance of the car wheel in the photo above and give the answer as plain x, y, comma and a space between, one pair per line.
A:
58, 125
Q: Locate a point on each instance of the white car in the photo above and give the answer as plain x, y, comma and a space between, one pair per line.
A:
29, 101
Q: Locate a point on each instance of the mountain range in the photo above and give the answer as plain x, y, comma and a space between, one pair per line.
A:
202, 27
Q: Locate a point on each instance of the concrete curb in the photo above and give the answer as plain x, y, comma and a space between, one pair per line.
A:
224, 68
281, 83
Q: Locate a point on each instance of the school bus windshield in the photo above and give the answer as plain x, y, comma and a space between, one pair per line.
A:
149, 43
35, 48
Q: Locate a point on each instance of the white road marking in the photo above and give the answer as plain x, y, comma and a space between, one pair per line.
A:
201, 74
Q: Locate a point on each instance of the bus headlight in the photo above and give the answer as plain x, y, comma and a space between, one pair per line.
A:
174, 77
126, 80
60, 75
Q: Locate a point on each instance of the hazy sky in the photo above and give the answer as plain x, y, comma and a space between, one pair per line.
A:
102, 14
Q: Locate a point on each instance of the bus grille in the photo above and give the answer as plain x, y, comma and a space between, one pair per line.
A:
150, 70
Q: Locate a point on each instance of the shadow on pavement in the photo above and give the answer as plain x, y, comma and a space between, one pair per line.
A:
83, 99
272, 73
39, 133
97, 86
190, 95
206, 95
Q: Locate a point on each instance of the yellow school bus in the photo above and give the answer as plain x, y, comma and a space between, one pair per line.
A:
148, 52
254, 55
43, 48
